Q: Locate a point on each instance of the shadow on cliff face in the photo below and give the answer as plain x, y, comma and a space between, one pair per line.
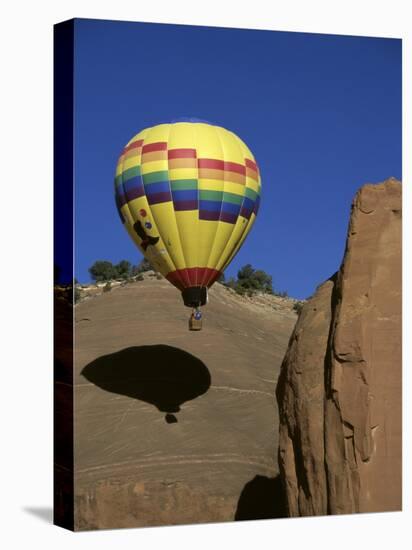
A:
262, 498
163, 376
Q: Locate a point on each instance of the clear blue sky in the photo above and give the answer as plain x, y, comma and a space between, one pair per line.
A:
321, 113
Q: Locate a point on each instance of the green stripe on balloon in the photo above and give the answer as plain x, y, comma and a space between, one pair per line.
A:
250, 193
183, 185
129, 174
233, 198
206, 195
155, 177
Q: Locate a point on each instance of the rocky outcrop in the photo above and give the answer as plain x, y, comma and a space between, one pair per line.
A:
339, 391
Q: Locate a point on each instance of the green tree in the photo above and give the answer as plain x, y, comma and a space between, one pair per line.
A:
123, 269
245, 273
102, 270
263, 281
250, 280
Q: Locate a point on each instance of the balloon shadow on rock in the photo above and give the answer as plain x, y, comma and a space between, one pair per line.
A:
161, 375
262, 498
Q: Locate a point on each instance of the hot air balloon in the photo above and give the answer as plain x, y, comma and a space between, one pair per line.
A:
188, 194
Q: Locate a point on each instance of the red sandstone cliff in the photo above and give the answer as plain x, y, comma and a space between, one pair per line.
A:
339, 391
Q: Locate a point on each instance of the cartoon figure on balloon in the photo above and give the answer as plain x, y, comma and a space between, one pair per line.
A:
188, 194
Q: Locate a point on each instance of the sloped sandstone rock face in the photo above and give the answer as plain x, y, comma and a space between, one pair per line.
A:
339, 391
173, 426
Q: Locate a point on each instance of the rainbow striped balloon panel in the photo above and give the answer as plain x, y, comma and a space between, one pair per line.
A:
188, 194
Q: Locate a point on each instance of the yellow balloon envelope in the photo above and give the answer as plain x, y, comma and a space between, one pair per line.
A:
188, 194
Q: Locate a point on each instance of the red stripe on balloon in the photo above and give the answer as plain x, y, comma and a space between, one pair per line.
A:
211, 163
204, 275
134, 145
216, 164
175, 277
196, 276
193, 276
214, 276
250, 164
184, 275
182, 153
208, 276
176, 280
235, 167
158, 146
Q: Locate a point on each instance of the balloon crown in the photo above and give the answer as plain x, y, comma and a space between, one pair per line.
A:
190, 119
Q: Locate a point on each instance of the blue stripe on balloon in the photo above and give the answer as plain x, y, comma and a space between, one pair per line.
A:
133, 189
184, 195
248, 204
155, 188
230, 207
133, 185
210, 206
